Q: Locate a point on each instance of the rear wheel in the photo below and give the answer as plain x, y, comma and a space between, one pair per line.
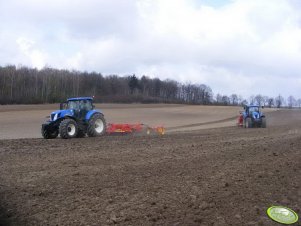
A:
249, 123
68, 128
81, 133
149, 131
263, 123
97, 126
48, 134
244, 123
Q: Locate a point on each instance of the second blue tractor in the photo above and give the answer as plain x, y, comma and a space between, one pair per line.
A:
252, 116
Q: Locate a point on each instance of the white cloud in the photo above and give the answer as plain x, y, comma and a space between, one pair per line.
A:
238, 46
36, 57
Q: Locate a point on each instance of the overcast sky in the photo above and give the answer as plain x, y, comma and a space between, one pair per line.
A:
234, 46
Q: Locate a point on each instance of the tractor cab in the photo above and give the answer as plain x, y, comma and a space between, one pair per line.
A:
80, 106
251, 109
253, 117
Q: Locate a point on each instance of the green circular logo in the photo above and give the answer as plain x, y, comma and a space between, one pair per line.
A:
282, 215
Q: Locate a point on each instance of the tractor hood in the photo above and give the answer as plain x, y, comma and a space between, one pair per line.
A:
60, 113
256, 115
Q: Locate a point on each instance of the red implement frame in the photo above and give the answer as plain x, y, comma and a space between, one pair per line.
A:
123, 128
240, 120
114, 128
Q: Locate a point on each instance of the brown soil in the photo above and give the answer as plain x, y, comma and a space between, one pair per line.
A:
222, 176
24, 121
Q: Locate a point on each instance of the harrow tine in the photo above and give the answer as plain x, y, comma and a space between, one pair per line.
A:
114, 128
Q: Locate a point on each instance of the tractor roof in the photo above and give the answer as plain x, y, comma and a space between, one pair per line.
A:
80, 98
252, 105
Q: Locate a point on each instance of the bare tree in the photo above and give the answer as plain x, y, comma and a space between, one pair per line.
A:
299, 102
133, 83
234, 99
226, 100
270, 102
291, 101
22, 85
244, 102
259, 99
265, 100
279, 100
240, 100
252, 99
219, 98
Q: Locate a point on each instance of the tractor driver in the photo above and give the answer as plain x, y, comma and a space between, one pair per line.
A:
254, 109
85, 105
73, 105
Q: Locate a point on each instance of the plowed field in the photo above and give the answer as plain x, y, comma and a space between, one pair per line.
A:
204, 171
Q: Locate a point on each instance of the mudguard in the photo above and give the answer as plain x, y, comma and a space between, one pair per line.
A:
91, 113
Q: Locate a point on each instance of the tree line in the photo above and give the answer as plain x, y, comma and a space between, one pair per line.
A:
25, 85
261, 100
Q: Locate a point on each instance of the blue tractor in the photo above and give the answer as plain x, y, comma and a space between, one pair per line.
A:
76, 118
253, 117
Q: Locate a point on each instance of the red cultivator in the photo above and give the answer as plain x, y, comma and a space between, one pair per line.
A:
240, 120
113, 128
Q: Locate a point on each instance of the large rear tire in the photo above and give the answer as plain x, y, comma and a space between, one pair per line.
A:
81, 133
263, 123
249, 123
97, 126
68, 128
47, 134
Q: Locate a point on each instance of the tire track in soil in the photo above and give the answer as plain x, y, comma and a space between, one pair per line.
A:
201, 124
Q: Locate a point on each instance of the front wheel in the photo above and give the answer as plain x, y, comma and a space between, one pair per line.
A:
68, 128
97, 126
263, 123
48, 134
249, 123
244, 123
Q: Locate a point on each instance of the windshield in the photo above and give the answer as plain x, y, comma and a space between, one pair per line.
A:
80, 105
254, 109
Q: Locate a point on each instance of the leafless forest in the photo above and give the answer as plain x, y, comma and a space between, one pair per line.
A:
23, 85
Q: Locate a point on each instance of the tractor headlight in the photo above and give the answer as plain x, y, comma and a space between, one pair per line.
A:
55, 117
